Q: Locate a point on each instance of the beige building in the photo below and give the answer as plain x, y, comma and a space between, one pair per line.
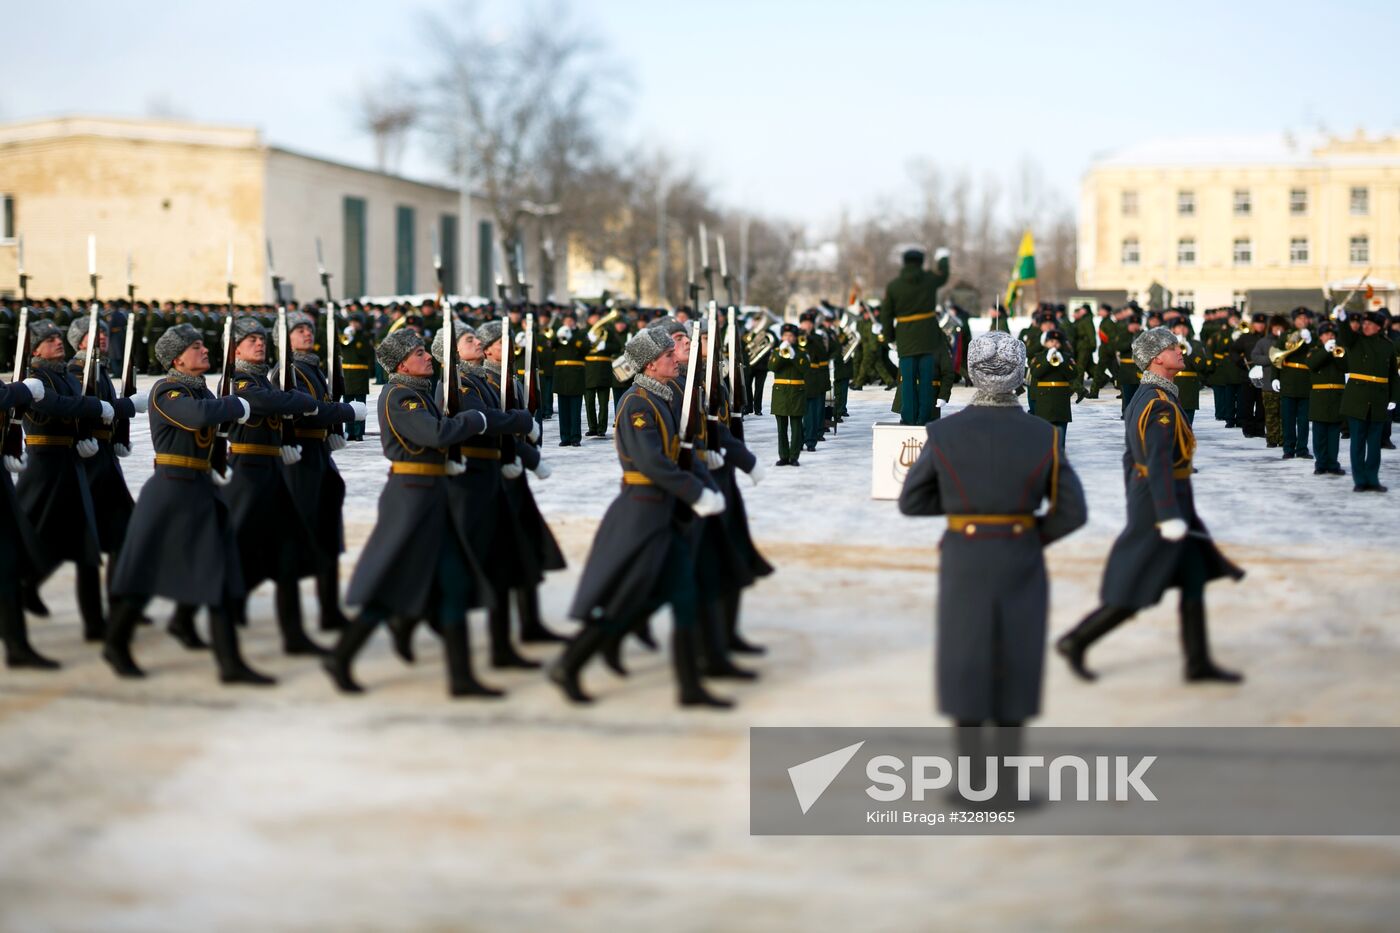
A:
1220, 221
175, 195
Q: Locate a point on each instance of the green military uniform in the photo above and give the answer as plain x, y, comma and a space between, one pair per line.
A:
356, 364
1129, 376
1050, 389
816, 380
1327, 383
597, 383
909, 316
1295, 393
156, 326
1225, 375
842, 372
788, 366
1188, 381
570, 348
1372, 386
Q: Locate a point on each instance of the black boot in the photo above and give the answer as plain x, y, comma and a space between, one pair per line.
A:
90, 602
503, 653
643, 632
714, 645
564, 671
342, 657
295, 641
532, 629
612, 651
401, 630
31, 601
684, 657
461, 679
181, 627
328, 594
737, 643
1073, 645
232, 668
116, 650
1196, 645
19, 653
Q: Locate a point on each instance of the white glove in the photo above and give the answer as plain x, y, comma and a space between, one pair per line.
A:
757, 473
938, 402
513, 469
1276, 385
1389, 406
598, 347
87, 447
315, 409
543, 469
1173, 529
1306, 335
940, 254
1330, 345
1256, 373
336, 441
565, 334
221, 479
710, 503
1346, 377
291, 454
141, 401
714, 459
108, 412
35, 387
348, 332
247, 411
534, 436
1341, 314
16, 464
121, 450
877, 328
361, 412
1044, 337
520, 339
456, 467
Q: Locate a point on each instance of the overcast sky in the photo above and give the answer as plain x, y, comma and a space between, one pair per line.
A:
798, 107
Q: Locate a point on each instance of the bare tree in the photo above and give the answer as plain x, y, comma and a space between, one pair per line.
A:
388, 111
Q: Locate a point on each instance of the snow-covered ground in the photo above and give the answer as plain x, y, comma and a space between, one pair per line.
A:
173, 804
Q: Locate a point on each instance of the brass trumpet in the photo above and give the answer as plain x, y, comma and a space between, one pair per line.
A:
1054, 357
1338, 351
1183, 343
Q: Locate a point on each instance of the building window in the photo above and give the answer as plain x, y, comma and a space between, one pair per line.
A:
448, 225
1360, 250
1360, 201
486, 258
1129, 201
1186, 300
1186, 203
403, 250
1131, 254
1298, 251
1244, 251
1298, 201
7, 217
1186, 251
354, 215
1242, 203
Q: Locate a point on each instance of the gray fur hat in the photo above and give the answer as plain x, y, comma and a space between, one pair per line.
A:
395, 348
647, 347
670, 327
490, 332
77, 331
247, 326
996, 362
174, 341
458, 329
39, 331
297, 319
1149, 343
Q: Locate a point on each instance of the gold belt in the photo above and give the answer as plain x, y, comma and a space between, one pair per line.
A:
481, 453
255, 450
818, 365
1330, 385
1365, 378
315, 434
789, 382
102, 434
598, 359
634, 478
968, 524
179, 460
417, 469
1052, 385
913, 317
1219, 356
1178, 472
568, 362
1295, 365
48, 440
354, 366
1186, 372
1125, 359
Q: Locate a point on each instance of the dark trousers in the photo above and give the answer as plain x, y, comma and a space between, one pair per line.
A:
756, 380
546, 397
814, 420
916, 388
1061, 429
1327, 442
1126, 392
596, 405
1190, 417
840, 393
789, 437
1366, 451
355, 430
617, 393
570, 418
1295, 425
1249, 410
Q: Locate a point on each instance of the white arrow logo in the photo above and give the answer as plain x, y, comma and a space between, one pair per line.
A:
811, 778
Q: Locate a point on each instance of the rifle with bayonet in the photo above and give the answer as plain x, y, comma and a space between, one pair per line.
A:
335, 376
218, 457
94, 353
691, 403
286, 372
11, 436
121, 427
737, 389
451, 388
714, 388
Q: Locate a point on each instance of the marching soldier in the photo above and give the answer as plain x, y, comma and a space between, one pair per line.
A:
1188, 381
53, 490
1294, 380
1128, 375
1372, 390
597, 377
989, 468
1327, 368
1165, 543
180, 543
1249, 414
417, 563
1054, 376
788, 364
570, 349
816, 378
1226, 375
842, 371
617, 340
356, 362
641, 559
909, 314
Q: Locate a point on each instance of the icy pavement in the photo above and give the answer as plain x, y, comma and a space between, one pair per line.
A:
173, 804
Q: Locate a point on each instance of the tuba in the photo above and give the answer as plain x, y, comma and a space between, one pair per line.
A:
595, 333
850, 334
758, 344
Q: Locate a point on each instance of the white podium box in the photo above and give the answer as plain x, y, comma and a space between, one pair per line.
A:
894, 448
